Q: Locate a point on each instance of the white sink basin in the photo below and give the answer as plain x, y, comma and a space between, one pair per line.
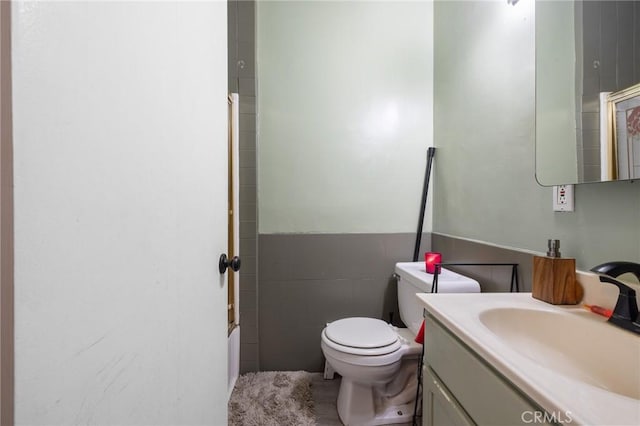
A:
572, 344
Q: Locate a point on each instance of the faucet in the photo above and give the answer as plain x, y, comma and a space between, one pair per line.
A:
625, 314
615, 269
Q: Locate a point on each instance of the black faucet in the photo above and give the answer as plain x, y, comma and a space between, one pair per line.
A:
615, 269
625, 314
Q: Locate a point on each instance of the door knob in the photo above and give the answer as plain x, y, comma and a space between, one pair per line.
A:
225, 262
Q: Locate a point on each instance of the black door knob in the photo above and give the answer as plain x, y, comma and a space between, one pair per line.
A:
225, 262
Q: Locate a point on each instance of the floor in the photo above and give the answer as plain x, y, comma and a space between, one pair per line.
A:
325, 394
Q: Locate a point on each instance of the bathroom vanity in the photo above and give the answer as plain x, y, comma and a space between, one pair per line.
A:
460, 388
508, 359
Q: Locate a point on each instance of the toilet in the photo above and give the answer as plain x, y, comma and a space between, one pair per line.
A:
379, 362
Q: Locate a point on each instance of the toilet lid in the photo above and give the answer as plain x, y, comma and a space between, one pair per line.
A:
361, 333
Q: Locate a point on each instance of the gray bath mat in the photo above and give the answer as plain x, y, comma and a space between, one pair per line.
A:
272, 398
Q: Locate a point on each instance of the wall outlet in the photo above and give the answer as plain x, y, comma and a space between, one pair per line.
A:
563, 198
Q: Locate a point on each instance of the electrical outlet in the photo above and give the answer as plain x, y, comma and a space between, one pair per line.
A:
563, 198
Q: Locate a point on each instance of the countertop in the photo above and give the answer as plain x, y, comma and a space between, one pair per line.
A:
554, 392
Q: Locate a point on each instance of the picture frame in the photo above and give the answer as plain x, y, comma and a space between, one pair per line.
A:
623, 134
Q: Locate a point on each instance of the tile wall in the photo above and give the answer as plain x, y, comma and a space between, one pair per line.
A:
491, 278
611, 62
307, 280
241, 39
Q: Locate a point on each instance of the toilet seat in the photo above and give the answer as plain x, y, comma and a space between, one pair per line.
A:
361, 336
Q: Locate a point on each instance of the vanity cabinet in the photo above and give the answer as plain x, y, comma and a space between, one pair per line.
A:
460, 388
440, 407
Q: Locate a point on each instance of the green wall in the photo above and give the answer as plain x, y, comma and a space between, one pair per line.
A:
484, 120
344, 115
556, 123
331, 158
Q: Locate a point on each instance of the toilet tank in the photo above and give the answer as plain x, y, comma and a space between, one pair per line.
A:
413, 278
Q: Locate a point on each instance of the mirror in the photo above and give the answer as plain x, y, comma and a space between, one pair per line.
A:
587, 91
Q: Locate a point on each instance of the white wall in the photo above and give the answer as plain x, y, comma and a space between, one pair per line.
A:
344, 115
120, 119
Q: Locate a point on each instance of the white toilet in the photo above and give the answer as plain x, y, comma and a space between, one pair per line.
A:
379, 362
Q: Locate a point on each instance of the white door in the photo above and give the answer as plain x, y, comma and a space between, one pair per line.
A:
120, 144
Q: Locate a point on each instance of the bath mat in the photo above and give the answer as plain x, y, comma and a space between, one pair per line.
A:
272, 398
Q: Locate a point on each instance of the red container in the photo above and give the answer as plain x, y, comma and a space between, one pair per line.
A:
431, 259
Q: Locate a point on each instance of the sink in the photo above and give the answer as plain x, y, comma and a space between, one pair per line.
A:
575, 344
563, 358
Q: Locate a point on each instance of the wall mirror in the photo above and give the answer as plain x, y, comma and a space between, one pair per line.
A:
587, 91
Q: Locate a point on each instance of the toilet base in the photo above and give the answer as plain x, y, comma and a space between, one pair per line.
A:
393, 415
365, 405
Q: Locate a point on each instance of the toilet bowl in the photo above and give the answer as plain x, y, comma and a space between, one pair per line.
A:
369, 354
379, 362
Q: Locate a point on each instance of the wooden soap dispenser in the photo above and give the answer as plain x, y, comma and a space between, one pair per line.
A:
554, 278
